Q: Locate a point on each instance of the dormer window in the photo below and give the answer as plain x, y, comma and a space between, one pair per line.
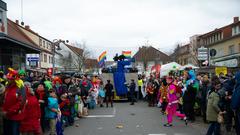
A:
235, 30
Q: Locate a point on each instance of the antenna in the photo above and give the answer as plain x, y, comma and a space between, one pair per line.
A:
22, 10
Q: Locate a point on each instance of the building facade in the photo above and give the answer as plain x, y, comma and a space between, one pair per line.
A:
14, 44
43, 60
226, 42
183, 55
148, 56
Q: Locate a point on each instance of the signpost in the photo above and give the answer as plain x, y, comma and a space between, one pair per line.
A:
202, 53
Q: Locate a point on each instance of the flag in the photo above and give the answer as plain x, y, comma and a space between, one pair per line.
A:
127, 54
102, 58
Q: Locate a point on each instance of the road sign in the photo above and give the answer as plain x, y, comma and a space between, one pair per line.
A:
33, 58
202, 53
213, 52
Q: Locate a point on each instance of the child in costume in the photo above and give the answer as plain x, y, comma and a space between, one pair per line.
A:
171, 109
65, 109
52, 111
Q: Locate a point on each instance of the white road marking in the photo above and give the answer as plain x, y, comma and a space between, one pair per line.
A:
99, 116
102, 116
157, 134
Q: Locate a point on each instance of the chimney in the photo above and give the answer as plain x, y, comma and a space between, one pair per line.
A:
17, 22
27, 27
235, 19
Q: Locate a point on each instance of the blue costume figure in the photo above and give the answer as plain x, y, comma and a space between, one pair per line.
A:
119, 76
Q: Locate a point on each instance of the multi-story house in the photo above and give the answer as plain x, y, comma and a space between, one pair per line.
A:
14, 44
182, 55
226, 42
148, 56
43, 60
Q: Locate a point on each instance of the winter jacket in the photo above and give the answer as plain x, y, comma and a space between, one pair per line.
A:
204, 90
32, 114
65, 107
212, 107
132, 88
52, 104
236, 93
109, 88
14, 103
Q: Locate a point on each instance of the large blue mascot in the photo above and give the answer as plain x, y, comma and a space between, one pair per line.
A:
119, 75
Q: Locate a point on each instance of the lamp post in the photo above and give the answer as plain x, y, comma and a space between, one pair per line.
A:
56, 43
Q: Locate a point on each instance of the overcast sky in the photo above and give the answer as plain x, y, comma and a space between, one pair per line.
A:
116, 25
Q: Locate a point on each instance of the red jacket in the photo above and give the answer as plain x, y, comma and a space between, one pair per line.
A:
32, 114
65, 107
14, 103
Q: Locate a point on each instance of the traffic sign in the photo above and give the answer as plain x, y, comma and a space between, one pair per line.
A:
33, 58
213, 52
202, 53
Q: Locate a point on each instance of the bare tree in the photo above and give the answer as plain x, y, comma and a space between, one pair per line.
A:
81, 58
67, 60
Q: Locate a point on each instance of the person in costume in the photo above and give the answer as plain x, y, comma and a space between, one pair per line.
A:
3, 81
101, 94
163, 95
150, 92
52, 111
22, 74
132, 89
189, 96
71, 90
42, 95
171, 109
31, 122
65, 109
14, 103
57, 86
109, 93
2, 90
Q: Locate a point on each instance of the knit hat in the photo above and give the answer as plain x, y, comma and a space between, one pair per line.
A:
21, 72
12, 74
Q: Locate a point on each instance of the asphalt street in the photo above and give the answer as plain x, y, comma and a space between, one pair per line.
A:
124, 119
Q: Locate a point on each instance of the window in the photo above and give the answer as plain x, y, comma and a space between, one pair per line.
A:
40, 42
43, 44
45, 57
41, 57
49, 59
231, 49
239, 47
220, 52
235, 30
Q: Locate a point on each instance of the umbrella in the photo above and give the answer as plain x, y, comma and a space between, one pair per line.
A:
165, 69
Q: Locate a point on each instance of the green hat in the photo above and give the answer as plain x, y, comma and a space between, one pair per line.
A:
21, 72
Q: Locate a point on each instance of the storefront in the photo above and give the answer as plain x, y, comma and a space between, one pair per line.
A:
13, 53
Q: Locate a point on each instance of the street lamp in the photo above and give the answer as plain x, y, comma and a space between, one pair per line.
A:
56, 46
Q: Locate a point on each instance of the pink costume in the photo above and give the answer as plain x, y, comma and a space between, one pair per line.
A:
172, 104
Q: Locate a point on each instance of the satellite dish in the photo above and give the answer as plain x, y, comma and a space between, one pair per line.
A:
213, 52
